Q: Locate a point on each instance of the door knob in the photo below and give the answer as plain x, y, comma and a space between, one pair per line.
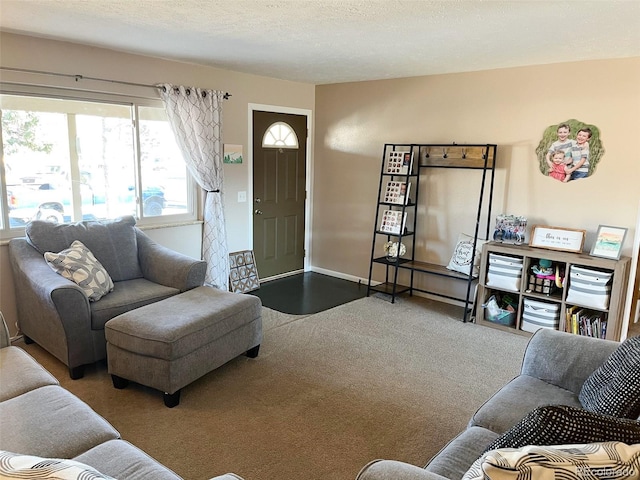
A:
258, 212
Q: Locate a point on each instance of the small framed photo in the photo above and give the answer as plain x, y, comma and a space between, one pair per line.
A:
608, 242
557, 238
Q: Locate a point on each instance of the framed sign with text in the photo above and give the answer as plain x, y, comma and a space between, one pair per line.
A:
557, 238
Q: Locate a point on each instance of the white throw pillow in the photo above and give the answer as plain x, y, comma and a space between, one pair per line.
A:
13, 465
79, 265
463, 258
570, 462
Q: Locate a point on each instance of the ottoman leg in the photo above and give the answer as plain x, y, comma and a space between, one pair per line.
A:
172, 399
253, 352
76, 373
119, 382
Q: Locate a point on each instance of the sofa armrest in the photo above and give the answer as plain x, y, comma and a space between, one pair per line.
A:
564, 359
52, 310
5, 338
167, 267
395, 470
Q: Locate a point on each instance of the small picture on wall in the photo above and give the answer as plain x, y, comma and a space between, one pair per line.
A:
232, 154
569, 151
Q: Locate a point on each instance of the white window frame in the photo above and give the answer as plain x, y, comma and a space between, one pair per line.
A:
191, 216
279, 141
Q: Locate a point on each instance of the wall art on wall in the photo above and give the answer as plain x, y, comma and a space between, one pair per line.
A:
232, 154
569, 150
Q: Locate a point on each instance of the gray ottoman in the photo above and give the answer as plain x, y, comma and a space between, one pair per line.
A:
168, 344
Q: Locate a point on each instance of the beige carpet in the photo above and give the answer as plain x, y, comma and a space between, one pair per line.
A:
328, 393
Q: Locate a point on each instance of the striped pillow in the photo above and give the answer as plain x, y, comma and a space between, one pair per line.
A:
614, 460
13, 465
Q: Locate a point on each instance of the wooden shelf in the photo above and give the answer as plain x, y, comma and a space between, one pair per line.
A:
388, 288
434, 269
530, 256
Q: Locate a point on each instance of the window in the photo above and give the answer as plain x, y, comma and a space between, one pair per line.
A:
71, 160
280, 135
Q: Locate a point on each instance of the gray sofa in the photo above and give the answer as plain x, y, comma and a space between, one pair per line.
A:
38, 417
55, 312
554, 368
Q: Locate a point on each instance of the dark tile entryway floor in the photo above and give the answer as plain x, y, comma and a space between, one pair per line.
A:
307, 293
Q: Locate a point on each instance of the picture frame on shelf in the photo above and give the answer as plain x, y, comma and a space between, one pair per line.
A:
397, 193
609, 241
393, 221
399, 162
557, 238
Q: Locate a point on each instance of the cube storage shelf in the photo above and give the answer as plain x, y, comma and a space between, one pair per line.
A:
534, 305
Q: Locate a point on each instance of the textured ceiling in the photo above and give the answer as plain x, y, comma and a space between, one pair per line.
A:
331, 41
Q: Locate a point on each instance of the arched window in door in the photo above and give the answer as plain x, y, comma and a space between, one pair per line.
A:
280, 135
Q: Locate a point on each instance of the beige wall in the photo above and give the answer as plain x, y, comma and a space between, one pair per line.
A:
509, 107
24, 52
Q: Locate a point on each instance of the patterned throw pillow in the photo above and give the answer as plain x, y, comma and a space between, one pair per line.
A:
78, 264
614, 388
613, 460
563, 424
13, 465
463, 258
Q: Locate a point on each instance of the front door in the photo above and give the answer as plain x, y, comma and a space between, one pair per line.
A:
279, 176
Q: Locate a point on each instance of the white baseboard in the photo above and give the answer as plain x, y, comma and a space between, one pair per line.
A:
282, 275
341, 275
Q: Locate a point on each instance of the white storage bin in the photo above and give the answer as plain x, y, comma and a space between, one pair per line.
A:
589, 288
536, 315
504, 272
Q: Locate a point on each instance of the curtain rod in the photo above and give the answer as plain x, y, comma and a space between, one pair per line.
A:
77, 78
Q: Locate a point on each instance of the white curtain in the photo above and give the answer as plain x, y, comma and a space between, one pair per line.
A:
195, 116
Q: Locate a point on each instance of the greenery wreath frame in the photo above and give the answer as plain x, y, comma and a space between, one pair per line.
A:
550, 135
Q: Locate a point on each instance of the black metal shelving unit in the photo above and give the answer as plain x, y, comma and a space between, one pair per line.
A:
429, 156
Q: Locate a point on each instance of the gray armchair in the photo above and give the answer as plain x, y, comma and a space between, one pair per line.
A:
55, 312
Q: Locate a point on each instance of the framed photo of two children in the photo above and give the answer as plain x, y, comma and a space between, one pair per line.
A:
569, 151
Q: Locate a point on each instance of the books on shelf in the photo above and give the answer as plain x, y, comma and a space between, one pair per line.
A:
397, 192
589, 323
393, 221
399, 163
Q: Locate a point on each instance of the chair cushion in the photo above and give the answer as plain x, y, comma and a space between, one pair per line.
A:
126, 296
13, 465
563, 424
594, 460
113, 242
614, 387
79, 265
